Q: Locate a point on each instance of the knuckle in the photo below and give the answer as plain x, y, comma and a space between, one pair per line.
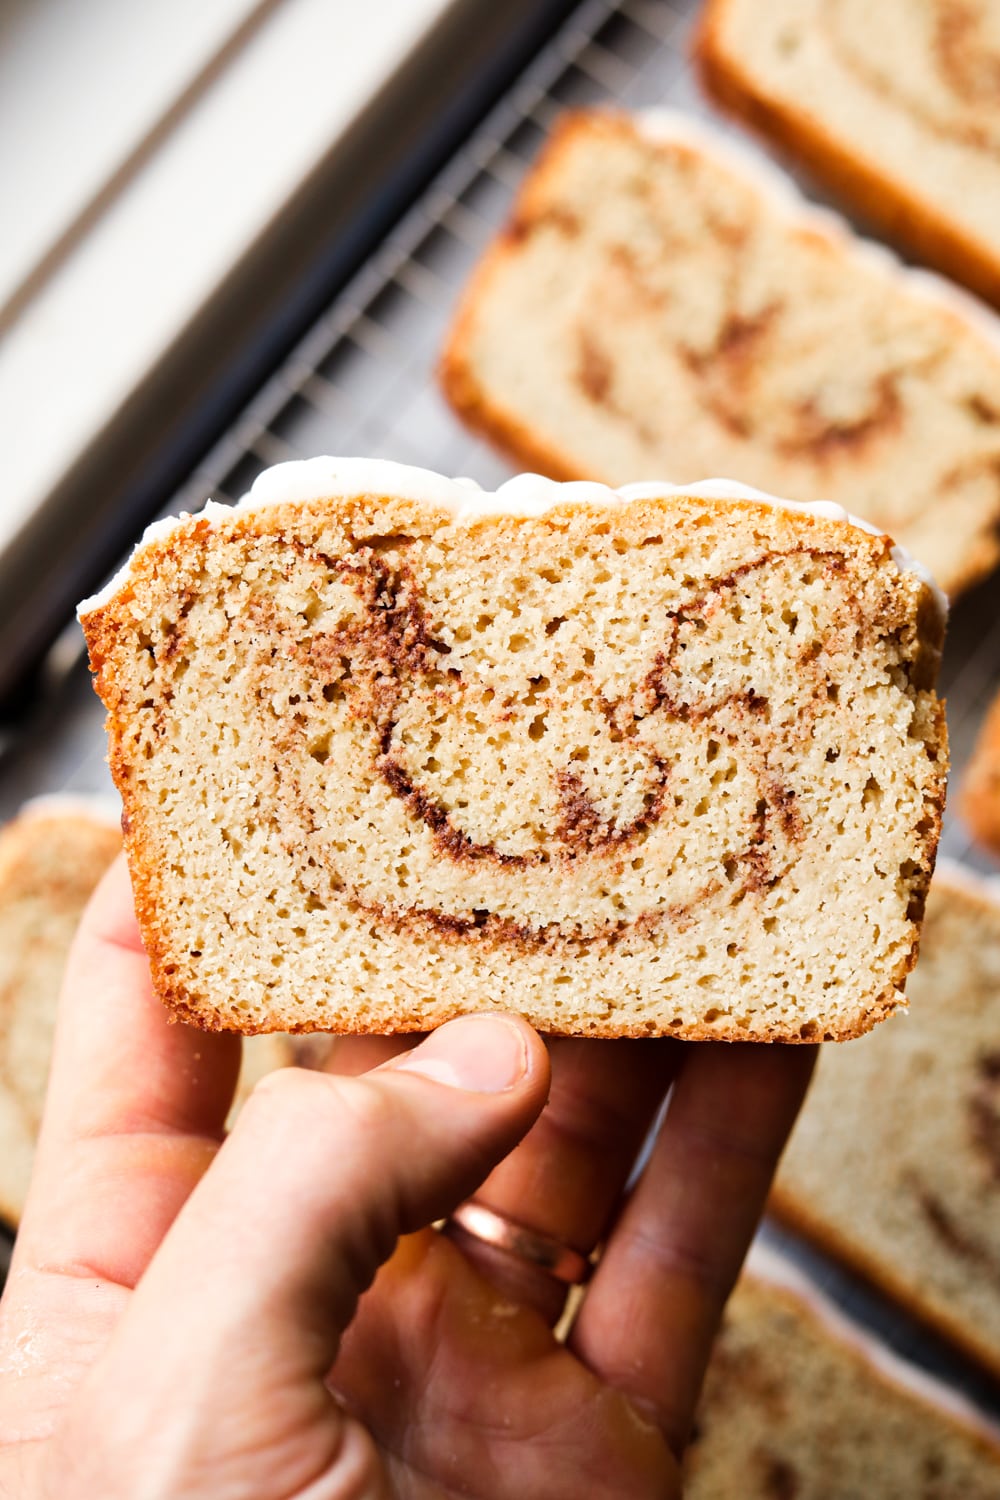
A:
356, 1472
289, 1103
284, 1088
298, 1099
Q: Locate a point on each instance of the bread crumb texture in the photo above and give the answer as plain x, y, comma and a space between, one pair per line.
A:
894, 1164
792, 1411
670, 766
896, 106
650, 310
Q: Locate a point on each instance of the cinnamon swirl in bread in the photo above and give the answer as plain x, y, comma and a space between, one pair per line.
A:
662, 304
894, 1164
801, 1404
895, 105
391, 749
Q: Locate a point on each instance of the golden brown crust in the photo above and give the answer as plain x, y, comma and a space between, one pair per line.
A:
894, 207
28, 862
802, 1214
801, 1400
455, 370
880, 1273
980, 794
190, 1010
513, 434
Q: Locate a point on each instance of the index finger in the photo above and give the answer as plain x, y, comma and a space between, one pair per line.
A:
650, 1314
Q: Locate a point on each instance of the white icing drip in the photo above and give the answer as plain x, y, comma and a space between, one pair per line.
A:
316, 478
525, 495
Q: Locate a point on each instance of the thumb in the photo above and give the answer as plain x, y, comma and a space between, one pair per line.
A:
238, 1318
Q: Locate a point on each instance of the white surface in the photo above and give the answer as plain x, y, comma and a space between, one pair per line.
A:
81, 86
167, 242
524, 495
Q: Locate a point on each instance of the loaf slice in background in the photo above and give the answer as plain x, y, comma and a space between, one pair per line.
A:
661, 305
51, 858
980, 791
799, 1404
893, 105
894, 1165
629, 763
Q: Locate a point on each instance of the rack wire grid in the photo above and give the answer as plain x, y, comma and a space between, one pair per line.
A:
363, 381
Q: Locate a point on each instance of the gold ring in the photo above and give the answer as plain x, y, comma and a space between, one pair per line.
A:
550, 1255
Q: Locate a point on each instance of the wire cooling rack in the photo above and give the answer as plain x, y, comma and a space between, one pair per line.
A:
362, 381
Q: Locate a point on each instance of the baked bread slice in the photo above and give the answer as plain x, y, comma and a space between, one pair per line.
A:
894, 105
799, 1404
655, 761
51, 858
663, 304
894, 1165
980, 799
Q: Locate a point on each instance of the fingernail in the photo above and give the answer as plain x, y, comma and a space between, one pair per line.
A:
486, 1054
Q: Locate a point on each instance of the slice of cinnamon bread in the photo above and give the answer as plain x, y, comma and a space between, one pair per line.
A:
895, 105
662, 304
980, 801
895, 1162
51, 858
799, 1404
634, 762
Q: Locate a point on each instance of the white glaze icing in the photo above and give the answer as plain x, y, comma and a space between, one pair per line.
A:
525, 495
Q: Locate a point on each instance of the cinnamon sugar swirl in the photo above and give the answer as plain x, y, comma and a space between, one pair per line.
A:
895, 105
662, 303
642, 762
894, 1165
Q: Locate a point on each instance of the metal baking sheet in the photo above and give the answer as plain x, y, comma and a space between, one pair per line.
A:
362, 381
